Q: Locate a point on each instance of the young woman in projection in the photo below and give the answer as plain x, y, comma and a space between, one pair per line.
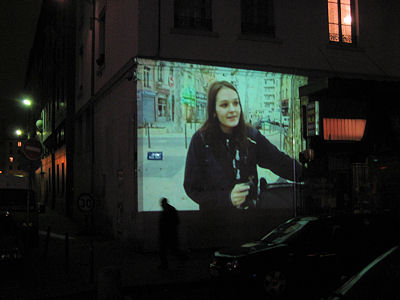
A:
222, 159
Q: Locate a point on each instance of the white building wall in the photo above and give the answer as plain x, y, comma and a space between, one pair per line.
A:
115, 187
107, 120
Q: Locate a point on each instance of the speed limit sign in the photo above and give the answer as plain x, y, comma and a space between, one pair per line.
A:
86, 202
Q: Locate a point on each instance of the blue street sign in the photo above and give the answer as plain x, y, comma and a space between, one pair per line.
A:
154, 155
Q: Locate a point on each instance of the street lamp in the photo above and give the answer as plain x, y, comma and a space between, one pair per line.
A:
18, 132
27, 102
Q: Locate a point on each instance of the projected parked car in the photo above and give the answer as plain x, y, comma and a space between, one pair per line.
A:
307, 255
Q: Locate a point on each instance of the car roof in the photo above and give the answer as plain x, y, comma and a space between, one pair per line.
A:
348, 285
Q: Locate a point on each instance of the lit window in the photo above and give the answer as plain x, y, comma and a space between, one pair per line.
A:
340, 21
11, 159
19, 144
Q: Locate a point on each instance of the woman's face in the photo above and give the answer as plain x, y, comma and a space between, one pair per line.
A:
227, 108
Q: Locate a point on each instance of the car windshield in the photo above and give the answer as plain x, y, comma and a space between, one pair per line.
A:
285, 231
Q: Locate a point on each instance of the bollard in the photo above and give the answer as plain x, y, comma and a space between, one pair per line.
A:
148, 136
109, 284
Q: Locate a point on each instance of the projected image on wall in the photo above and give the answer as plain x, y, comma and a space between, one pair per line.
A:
172, 107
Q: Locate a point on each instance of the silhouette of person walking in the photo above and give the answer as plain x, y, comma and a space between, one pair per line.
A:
168, 232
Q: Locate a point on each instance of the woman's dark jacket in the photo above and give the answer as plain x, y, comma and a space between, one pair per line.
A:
210, 174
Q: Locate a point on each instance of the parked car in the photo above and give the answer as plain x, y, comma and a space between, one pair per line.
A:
380, 279
307, 255
11, 245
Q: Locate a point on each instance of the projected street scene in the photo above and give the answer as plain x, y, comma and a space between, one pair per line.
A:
172, 106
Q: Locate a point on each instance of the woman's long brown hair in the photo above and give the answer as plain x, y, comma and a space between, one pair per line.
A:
212, 126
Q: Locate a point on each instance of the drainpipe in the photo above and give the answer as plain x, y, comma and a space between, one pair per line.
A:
159, 29
92, 92
69, 125
93, 47
292, 104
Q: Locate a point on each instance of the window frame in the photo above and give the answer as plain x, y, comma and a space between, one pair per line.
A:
193, 15
353, 25
253, 28
100, 61
146, 77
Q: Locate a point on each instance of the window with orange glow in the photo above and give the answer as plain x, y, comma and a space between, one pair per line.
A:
19, 144
344, 129
340, 21
11, 159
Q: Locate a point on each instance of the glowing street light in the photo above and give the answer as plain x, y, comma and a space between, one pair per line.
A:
18, 132
27, 102
28, 106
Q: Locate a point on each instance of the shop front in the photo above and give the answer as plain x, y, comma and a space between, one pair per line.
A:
351, 125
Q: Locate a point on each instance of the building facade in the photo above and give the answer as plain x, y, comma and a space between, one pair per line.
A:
10, 153
142, 70
50, 84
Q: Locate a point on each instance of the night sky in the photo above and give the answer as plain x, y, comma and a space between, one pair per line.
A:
18, 20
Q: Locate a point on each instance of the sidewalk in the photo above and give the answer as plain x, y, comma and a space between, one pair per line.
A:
95, 264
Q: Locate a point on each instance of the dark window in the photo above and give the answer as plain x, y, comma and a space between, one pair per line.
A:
146, 78
47, 189
257, 17
102, 39
161, 107
193, 14
49, 179
160, 72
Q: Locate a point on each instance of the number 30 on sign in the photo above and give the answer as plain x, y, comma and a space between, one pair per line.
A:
86, 202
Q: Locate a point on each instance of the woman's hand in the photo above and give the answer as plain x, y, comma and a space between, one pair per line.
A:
306, 155
239, 193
